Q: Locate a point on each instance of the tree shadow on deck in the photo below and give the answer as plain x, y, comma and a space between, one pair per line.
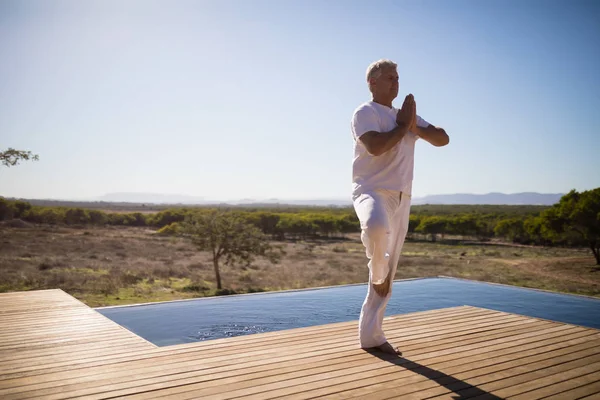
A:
462, 389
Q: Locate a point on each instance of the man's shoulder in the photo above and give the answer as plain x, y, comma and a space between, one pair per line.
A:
366, 106
367, 109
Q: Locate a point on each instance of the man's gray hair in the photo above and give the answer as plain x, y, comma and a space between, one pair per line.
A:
374, 70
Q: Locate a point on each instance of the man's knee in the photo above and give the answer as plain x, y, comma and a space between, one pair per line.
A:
375, 230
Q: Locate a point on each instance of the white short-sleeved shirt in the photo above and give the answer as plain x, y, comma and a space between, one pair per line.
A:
393, 170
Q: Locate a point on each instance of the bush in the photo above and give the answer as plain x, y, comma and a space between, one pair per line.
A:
225, 292
97, 217
7, 209
127, 278
195, 288
168, 230
77, 216
21, 207
135, 219
166, 217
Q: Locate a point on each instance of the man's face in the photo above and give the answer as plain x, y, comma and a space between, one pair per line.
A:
386, 85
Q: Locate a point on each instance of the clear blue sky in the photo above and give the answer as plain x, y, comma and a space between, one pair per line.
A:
253, 99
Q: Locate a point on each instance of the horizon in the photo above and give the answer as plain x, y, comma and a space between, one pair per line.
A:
158, 199
229, 100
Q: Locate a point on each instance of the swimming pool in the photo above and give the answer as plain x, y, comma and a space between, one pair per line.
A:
195, 320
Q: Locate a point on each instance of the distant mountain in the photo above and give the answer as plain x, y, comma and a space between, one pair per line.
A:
152, 198
526, 198
157, 198
308, 202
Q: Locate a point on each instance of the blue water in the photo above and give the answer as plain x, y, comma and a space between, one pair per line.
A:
210, 318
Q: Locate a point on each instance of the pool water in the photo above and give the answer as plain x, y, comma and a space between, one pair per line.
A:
211, 318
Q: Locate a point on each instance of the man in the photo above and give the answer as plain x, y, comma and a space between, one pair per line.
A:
382, 174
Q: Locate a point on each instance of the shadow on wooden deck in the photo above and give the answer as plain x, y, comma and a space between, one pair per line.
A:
442, 379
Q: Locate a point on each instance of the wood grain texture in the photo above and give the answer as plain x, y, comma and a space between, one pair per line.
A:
52, 346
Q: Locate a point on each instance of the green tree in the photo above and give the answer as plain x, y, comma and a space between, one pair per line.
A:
228, 237
21, 208
325, 224
7, 209
512, 228
12, 157
266, 222
413, 222
464, 225
97, 217
116, 218
576, 220
77, 216
45, 215
348, 223
534, 229
433, 226
297, 225
166, 217
136, 219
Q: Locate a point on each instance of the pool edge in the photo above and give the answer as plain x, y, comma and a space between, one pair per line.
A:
521, 287
347, 285
257, 293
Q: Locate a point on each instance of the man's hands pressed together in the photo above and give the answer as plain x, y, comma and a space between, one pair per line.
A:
432, 134
407, 115
378, 143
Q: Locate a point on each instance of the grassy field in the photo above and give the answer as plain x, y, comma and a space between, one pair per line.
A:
109, 266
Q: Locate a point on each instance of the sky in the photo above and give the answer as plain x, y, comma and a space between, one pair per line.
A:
253, 99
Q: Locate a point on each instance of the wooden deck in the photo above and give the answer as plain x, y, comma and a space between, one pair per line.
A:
54, 347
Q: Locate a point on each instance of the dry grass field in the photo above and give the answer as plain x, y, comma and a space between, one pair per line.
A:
118, 265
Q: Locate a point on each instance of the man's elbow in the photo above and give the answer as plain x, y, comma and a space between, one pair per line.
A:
443, 139
374, 150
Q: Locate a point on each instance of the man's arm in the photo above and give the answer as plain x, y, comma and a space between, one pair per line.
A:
433, 134
378, 143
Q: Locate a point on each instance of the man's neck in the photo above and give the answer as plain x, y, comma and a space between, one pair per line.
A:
383, 102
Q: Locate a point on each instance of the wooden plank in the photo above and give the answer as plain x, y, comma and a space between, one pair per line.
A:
370, 357
592, 397
203, 355
415, 378
363, 376
77, 332
463, 368
52, 326
523, 378
565, 385
580, 392
67, 350
466, 351
269, 337
581, 371
179, 361
162, 376
482, 385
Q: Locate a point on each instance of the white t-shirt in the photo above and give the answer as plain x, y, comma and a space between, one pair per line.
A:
393, 170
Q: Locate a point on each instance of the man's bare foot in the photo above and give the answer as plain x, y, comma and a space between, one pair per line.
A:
388, 348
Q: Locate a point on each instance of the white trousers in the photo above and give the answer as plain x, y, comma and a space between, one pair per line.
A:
384, 216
